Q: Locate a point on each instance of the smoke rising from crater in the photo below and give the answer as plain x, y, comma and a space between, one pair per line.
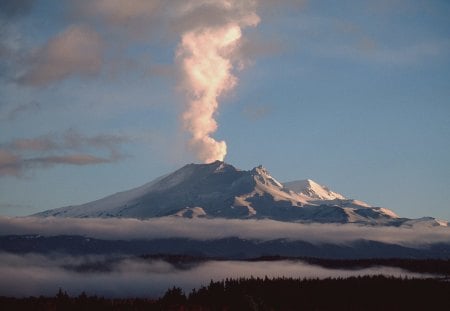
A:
207, 56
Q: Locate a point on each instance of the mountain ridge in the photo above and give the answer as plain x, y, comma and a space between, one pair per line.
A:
219, 190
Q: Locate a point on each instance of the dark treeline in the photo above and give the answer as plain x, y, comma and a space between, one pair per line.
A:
355, 293
62, 301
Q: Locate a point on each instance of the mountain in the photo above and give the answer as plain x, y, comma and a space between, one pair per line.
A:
220, 190
229, 247
313, 190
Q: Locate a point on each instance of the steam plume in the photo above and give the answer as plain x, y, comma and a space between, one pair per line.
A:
206, 58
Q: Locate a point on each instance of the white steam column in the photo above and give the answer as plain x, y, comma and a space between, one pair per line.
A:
205, 55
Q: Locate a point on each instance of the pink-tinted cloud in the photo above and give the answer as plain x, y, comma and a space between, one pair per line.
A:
205, 57
76, 51
15, 165
33, 144
79, 49
118, 12
71, 148
69, 140
9, 163
74, 159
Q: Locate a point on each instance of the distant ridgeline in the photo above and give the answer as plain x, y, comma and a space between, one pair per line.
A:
226, 248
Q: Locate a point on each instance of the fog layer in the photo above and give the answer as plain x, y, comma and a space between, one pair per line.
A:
35, 275
204, 229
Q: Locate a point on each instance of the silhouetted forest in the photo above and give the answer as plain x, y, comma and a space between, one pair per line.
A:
355, 293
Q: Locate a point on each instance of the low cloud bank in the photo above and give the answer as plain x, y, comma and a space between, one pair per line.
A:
206, 229
34, 275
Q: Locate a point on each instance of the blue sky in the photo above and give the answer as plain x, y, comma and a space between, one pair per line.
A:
352, 94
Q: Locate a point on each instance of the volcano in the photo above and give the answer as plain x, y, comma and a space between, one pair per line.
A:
219, 190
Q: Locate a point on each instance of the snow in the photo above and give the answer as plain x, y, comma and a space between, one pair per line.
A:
360, 203
426, 222
313, 190
442, 223
265, 183
220, 190
388, 212
109, 202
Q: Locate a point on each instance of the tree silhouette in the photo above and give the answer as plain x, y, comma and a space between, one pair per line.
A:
354, 293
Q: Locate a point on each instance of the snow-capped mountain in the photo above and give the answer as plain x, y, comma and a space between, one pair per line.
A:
220, 190
313, 190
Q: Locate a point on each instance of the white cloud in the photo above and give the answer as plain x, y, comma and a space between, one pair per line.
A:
26, 275
204, 229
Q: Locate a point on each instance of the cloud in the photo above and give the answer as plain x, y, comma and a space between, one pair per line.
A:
100, 33
336, 38
9, 163
76, 51
11, 48
366, 49
71, 148
35, 275
205, 229
14, 165
31, 107
166, 17
411, 54
112, 26
211, 33
117, 12
74, 159
195, 15
15, 8
43, 143
69, 140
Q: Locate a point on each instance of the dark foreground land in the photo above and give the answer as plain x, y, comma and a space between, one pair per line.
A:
355, 293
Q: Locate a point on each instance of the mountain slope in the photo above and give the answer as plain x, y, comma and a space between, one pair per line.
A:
217, 189
220, 190
313, 190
